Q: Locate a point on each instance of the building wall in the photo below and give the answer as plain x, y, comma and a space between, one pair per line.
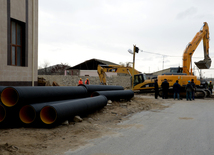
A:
21, 10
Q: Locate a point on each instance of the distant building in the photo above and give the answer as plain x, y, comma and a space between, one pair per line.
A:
58, 69
18, 42
171, 70
89, 68
160, 72
155, 74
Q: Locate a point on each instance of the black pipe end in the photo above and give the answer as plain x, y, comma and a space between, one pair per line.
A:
27, 114
9, 96
94, 94
48, 115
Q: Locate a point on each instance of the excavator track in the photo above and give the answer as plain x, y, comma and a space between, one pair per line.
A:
201, 93
208, 92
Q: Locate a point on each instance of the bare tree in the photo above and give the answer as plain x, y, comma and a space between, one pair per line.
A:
122, 64
59, 69
125, 64
45, 65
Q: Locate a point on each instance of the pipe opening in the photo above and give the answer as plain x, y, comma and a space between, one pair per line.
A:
2, 113
94, 94
48, 115
27, 114
9, 97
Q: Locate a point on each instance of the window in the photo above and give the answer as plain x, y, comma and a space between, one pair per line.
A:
17, 55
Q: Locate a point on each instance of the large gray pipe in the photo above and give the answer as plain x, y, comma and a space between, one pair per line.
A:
115, 94
93, 88
56, 113
12, 96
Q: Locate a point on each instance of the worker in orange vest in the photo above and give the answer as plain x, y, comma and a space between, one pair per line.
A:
80, 81
87, 81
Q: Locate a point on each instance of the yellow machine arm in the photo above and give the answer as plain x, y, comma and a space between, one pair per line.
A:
102, 69
190, 49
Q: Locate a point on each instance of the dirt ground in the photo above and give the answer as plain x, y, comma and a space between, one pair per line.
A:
41, 141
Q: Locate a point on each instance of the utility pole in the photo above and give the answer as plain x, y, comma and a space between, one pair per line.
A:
135, 49
133, 68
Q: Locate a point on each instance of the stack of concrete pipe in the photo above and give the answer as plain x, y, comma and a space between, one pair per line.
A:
50, 106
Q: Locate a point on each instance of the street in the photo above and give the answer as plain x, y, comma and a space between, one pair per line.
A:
184, 128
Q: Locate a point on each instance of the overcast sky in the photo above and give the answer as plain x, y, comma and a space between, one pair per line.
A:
72, 31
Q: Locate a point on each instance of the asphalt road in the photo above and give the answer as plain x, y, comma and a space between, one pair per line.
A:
185, 128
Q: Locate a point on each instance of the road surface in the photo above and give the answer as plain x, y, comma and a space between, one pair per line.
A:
185, 128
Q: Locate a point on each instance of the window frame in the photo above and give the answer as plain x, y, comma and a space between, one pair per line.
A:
19, 60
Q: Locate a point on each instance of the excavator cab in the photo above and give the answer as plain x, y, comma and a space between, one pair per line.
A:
139, 78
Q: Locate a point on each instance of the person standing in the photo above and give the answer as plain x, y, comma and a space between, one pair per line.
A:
210, 86
87, 81
156, 89
189, 90
165, 88
193, 91
80, 81
176, 89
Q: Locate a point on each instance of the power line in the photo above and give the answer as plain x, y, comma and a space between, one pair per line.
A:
165, 54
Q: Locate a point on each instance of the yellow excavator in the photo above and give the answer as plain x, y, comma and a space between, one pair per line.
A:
140, 81
184, 74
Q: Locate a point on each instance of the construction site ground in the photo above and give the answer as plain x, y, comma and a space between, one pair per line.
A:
71, 136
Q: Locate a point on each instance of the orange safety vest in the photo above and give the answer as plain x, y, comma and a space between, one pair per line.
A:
80, 82
87, 82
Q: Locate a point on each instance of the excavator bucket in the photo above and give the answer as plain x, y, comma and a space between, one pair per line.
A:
203, 64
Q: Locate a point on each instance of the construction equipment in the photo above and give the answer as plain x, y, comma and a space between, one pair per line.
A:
140, 81
183, 75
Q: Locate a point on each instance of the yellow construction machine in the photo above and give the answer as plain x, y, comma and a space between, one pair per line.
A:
140, 81
184, 74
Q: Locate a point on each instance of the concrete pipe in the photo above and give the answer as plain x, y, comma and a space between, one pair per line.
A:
57, 113
93, 88
12, 96
115, 94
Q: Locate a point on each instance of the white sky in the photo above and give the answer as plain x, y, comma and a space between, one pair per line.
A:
72, 31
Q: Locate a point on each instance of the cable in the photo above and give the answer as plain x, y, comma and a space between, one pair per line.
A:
165, 54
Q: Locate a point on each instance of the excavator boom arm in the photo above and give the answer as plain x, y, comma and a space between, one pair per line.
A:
191, 47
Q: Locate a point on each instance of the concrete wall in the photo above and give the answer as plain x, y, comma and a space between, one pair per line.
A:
18, 75
124, 81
